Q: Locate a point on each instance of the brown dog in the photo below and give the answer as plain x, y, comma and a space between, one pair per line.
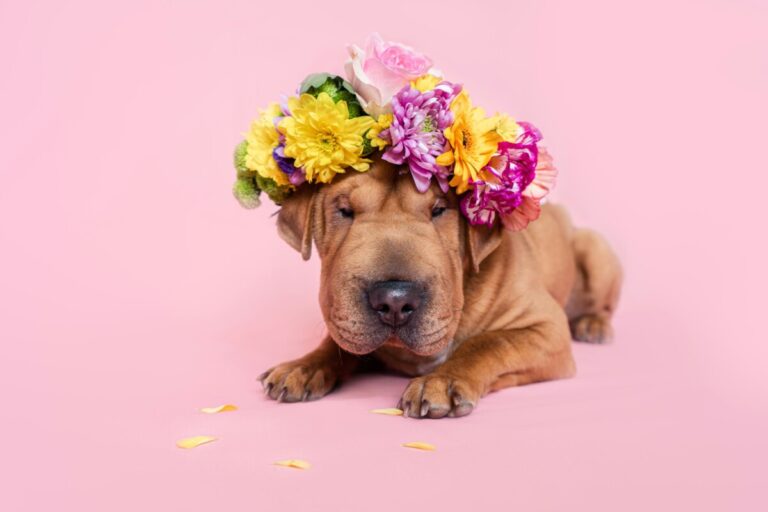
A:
465, 310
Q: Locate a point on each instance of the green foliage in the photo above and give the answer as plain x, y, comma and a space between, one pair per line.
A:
336, 87
368, 148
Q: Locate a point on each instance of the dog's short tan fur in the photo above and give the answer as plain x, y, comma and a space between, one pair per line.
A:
499, 303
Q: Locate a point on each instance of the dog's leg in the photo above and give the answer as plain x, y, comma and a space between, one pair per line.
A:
310, 377
596, 293
488, 362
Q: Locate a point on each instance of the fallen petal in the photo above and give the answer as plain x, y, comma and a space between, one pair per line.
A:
418, 445
193, 442
219, 408
293, 463
392, 411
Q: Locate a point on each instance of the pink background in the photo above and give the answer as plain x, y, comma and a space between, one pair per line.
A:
134, 290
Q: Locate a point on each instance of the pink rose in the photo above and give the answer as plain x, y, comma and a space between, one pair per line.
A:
381, 70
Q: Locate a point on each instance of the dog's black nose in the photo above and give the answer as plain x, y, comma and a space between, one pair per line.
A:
395, 301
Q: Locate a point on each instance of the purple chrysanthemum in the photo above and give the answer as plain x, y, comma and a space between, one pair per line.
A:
508, 174
283, 162
416, 133
295, 174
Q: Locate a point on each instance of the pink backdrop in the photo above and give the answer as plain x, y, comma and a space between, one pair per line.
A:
134, 290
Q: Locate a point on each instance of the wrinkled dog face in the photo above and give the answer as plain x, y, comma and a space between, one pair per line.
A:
391, 260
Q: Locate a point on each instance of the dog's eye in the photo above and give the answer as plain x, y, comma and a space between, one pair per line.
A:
347, 213
438, 211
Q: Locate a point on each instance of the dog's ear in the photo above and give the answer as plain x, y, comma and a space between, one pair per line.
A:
481, 241
296, 220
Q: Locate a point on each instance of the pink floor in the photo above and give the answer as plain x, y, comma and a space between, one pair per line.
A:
134, 291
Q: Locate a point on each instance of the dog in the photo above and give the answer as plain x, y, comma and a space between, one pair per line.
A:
409, 285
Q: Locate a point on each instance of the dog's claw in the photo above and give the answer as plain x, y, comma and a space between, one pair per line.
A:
402, 407
461, 407
268, 388
281, 396
439, 396
305, 396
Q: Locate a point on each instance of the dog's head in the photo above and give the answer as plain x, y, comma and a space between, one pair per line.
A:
393, 259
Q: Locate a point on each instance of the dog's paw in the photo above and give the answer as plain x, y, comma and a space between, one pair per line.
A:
437, 396
298, 381
592, 329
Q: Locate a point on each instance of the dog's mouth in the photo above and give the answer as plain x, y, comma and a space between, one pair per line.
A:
428, 348
364, 340
413, 315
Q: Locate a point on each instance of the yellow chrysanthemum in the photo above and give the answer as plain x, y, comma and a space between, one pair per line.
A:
322, 139
473, 139
426, 82
507, 128
382, 123
262, 140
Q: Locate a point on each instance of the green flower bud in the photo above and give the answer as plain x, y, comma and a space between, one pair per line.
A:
274, 191
246, 191
240, 153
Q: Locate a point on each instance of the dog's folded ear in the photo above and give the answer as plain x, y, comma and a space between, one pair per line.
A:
481, 241
296, 219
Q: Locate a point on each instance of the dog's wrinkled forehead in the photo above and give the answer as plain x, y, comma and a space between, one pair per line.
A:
386, 188
378, 226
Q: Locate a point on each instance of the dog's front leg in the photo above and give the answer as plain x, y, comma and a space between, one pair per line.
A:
310, 377
487, 362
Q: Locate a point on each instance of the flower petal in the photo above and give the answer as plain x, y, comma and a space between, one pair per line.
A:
389, 411
195, 441
546, 176
219, 408
445, 159
368, 94
418, 445
528, 211
293, 463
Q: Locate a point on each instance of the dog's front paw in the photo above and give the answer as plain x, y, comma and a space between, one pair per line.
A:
436, 396
299, 381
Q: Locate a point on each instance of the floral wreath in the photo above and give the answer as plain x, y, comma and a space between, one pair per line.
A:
396, 103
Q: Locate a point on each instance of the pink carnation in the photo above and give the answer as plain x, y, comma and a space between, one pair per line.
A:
518, 177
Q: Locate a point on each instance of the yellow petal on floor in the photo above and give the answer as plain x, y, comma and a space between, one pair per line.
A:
219, 408
293, 463
418, 445
389, 412
193, 442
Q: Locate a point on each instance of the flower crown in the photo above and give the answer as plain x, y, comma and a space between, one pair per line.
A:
396, 103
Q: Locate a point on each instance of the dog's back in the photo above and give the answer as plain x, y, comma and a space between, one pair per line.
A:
580, 270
